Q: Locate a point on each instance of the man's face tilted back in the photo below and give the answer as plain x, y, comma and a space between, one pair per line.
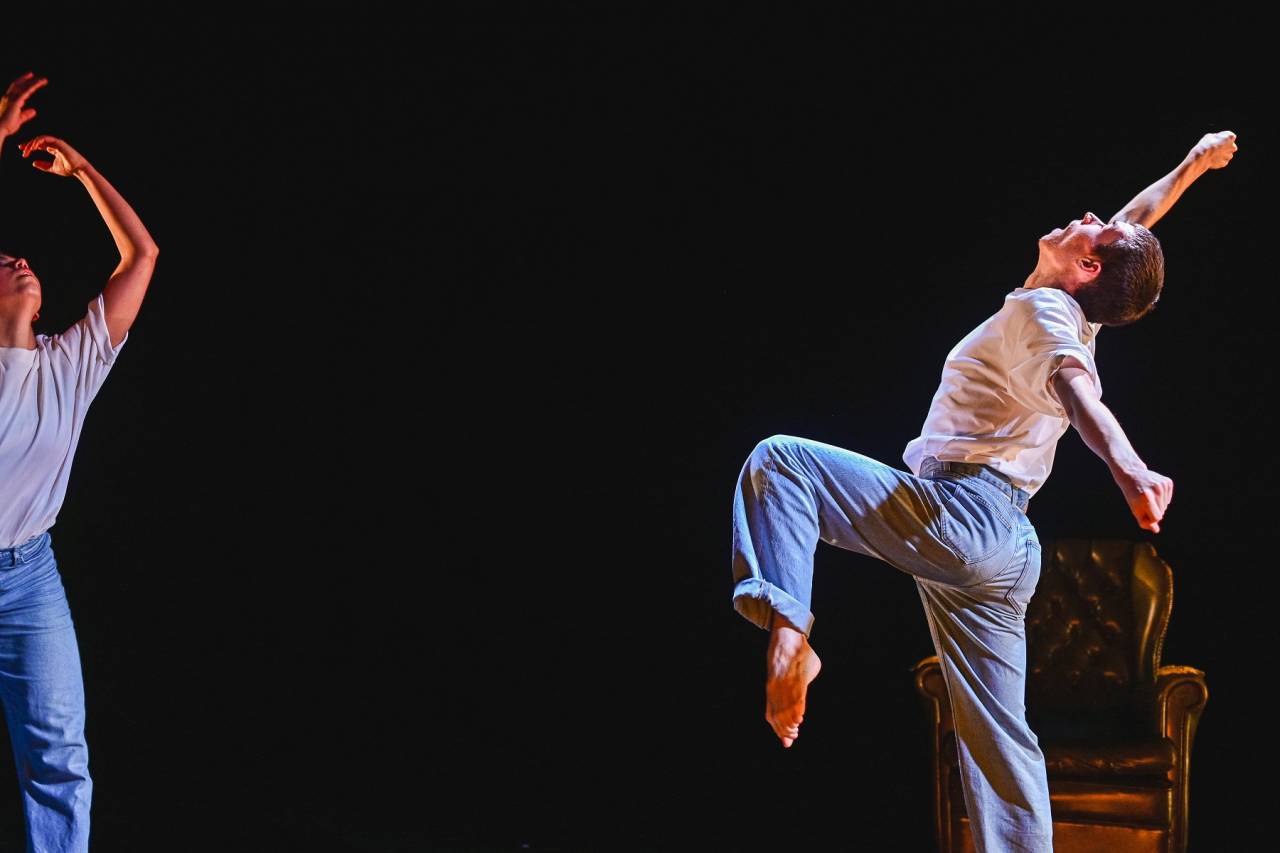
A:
1067, 255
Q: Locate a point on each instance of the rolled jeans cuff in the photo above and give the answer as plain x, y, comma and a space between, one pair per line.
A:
757, 599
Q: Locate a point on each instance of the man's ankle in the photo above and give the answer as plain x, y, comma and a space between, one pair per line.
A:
785, 631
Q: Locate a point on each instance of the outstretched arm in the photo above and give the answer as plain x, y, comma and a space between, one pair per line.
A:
1213, 151
1146, 492
123, 293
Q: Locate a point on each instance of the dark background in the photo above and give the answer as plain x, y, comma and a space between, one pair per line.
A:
402, 521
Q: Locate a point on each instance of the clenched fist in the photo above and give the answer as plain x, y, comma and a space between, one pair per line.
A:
1216, 149
1148, 494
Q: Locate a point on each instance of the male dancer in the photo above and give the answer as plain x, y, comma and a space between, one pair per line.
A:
957, 522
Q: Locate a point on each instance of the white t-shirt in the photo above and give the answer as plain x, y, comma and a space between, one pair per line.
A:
994, 405
44, 395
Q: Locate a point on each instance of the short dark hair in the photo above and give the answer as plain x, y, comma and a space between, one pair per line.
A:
1130, 282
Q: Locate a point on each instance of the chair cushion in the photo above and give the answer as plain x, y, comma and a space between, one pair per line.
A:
1150, 759
1153, 759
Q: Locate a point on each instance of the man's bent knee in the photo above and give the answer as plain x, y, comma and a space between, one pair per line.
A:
771, 447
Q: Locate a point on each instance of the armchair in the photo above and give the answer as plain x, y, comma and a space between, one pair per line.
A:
1116, 727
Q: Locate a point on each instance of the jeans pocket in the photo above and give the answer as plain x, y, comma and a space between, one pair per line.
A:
975, 527
1019, 595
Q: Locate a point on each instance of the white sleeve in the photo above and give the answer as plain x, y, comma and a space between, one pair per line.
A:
85, 350
1049, 336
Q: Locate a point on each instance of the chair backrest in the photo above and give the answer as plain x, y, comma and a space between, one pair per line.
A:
1095, 629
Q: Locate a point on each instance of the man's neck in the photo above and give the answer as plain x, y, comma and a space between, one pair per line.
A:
1039, 278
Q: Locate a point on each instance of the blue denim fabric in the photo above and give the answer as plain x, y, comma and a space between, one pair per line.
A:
43, 695
961, 530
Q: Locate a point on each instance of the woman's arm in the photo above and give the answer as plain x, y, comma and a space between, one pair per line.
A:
122, 296
14, 111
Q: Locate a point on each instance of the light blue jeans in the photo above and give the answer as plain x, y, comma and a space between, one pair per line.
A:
43, 695
961, 530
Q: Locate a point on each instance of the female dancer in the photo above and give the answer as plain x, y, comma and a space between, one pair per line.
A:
46, 386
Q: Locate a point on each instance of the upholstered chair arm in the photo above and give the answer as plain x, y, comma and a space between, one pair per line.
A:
1172, 706
932, 687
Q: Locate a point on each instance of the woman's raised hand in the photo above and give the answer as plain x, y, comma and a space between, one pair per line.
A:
66, 159
13, 103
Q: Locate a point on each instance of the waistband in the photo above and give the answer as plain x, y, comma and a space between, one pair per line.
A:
24, 553
931, 466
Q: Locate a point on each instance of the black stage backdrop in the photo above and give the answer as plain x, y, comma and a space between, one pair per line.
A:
402, 521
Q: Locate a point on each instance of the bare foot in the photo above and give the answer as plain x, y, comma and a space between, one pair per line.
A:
792, 664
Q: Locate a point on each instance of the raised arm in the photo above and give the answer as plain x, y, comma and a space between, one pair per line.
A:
123, 293
1147, 493
1213, 151
14, 111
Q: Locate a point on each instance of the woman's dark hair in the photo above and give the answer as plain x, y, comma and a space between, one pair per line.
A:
1130, 282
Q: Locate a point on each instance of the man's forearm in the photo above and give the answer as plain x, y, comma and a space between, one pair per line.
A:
1103, 435
1154, 202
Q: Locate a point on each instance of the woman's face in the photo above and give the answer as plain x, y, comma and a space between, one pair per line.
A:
17, 277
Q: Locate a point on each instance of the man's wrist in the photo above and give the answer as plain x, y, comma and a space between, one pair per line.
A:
1196, 163
1127, 466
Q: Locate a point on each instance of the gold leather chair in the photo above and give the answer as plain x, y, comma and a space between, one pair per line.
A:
1115, 726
